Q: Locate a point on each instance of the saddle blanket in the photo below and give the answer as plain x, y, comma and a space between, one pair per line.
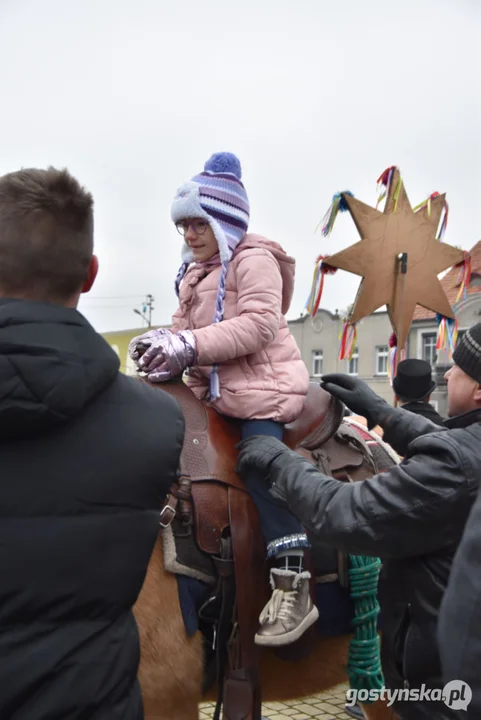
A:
336, 608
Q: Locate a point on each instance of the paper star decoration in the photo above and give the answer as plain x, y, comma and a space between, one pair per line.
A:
399, 258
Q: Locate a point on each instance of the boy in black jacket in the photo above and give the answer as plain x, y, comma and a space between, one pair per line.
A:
87, 456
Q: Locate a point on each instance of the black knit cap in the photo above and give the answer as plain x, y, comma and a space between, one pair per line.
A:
467, 354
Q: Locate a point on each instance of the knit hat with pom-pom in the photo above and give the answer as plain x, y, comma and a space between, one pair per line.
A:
218, 196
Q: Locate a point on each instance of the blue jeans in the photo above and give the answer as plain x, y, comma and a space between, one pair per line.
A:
280, 528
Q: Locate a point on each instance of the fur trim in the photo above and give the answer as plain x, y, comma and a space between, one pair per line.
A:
187, 205
304, 575
186, 254
171, 563
389, 450
295, 541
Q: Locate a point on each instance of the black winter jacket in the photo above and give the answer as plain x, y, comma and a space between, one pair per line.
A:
419, 407
412, 517
459, 628
86, 458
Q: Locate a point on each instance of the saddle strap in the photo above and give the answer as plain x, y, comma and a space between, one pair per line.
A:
249, 557
179, 500
241, 697
242, 694
227, 591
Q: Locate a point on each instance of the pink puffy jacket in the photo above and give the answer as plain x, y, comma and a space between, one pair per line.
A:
261, 372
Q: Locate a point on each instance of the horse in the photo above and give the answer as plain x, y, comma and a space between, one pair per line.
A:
172, 664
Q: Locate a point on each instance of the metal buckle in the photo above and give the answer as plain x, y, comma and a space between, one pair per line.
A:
172, 510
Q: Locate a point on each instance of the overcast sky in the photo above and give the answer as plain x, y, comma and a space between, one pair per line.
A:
314, 97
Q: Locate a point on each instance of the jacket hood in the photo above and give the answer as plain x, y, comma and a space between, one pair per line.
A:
286, 262
52, 364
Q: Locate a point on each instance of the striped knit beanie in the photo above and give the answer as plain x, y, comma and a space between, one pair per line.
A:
218, 196
467, 354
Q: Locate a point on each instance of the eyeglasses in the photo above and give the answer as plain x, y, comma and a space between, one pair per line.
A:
198, 226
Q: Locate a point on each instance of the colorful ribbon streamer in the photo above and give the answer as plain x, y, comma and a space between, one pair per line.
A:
348, 339
464, 277
447, 336
392, 364
384, 183
321, 269
394, 358
337, 205
444, 216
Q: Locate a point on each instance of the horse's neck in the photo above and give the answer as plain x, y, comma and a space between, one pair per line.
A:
177, 380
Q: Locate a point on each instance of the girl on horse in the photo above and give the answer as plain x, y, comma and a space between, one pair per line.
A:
231, 336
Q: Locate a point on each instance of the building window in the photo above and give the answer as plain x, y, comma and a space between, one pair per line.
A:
317, 363
382, 354
429, 348
353, 363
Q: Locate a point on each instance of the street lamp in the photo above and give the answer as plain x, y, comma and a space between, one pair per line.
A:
142, 316
148, 304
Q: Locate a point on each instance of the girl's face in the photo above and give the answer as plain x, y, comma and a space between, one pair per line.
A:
199, 237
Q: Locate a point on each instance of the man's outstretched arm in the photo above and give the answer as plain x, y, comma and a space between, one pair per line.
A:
412, 508
400, 426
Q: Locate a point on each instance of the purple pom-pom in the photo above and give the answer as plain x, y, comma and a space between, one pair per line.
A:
224, 162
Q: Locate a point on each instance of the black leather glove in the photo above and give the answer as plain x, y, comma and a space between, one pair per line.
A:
358, 397
258, 452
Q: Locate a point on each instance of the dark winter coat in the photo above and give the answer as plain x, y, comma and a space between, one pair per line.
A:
86, 457
412, 516
459, 628
419, 407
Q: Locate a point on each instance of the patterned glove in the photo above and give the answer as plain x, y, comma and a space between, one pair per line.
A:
142, 342
258, 451
168, 355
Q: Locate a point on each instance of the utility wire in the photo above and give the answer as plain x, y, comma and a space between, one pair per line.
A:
112, 297
106, 307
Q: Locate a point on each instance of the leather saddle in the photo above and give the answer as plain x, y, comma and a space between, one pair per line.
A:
212, 502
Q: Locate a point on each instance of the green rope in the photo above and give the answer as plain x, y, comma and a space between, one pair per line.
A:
364, 663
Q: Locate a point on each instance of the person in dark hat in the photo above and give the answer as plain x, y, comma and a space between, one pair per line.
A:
413, 386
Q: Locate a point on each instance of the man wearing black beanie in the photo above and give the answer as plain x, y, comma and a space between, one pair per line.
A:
459, 629
412, 516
